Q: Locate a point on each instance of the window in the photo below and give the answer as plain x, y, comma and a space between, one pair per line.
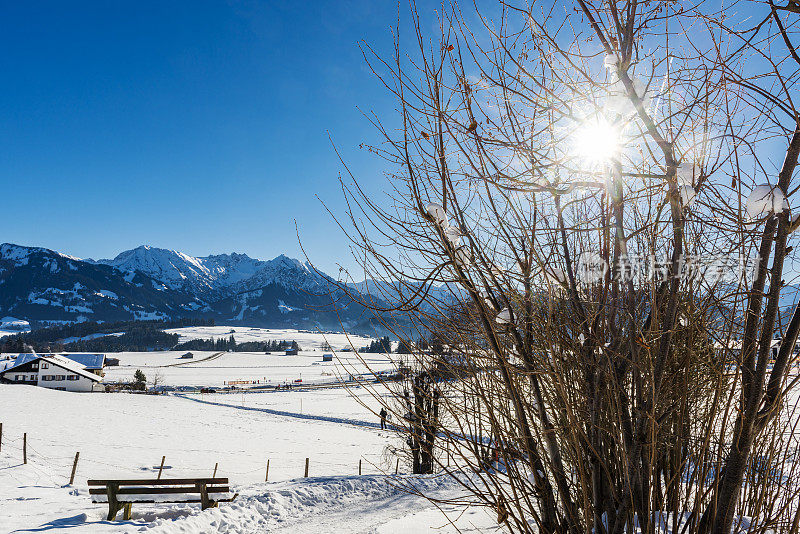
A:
47, 378
34, 365
45, 365
60, 377
33, 378
19, 377
72, 377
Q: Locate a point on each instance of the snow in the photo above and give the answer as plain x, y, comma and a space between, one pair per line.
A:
504, 317
307, 339
610, 61
217, 369
618, 102
687, 194
11, 325
463, 256
686, 173
766, 198
19, 255
222, 273
89, 337
124, 435
78, 309
149, 316
437, 213
453, 235
285, 308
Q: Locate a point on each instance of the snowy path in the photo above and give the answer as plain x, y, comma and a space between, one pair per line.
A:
206, 359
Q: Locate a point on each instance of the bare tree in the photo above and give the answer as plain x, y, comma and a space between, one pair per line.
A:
585, 211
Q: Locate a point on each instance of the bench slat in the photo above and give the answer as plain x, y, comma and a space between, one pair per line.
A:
192, 501
158, 482
160, 491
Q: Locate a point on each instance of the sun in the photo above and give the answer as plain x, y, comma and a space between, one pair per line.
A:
597, 141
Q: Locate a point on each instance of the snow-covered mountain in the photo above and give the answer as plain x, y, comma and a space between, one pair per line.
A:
217, 276
41, 285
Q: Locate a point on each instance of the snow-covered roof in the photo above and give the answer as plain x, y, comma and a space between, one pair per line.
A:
59, 361
6, 363
70, 365
89, 361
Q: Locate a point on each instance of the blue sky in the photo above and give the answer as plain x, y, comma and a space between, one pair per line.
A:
196, 126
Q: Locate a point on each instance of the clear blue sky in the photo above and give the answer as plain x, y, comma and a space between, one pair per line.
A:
196, 126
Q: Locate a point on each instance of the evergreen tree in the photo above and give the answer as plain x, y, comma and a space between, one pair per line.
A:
139, 380
404, 347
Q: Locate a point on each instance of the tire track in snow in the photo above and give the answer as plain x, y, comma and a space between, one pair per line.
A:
283, 413
206, 359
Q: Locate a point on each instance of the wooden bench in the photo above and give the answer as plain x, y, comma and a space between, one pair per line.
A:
121, 494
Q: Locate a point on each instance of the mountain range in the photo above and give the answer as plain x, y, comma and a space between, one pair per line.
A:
43, 286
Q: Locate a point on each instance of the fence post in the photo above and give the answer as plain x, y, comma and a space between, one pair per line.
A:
25, 448
266, 477
215, 470
161, 467
74, 467
306, 475
1, 436
359, 467
396, 466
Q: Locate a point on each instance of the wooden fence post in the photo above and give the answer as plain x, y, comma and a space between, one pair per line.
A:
1, 436
306, 475
25, 448
266, 477
161, 467
74, 467
396, 466
359, 467
215, 470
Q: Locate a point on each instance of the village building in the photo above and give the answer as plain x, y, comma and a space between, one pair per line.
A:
62, 372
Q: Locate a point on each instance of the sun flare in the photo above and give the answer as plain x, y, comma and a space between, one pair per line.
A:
597, 141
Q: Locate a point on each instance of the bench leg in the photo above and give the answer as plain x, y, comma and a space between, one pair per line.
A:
114, 508
205, 502
113, 505
127, 514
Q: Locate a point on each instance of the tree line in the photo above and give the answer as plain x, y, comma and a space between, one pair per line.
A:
135, 336
230, 344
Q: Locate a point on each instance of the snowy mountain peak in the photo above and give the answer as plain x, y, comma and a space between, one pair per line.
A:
19, 254
218, 274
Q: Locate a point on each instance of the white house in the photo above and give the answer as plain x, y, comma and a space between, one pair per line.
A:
54, 372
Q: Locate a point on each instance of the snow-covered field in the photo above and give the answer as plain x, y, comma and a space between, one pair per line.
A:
124, 435
308, 340
217, 369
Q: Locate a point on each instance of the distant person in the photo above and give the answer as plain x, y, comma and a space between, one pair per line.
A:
383, 415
